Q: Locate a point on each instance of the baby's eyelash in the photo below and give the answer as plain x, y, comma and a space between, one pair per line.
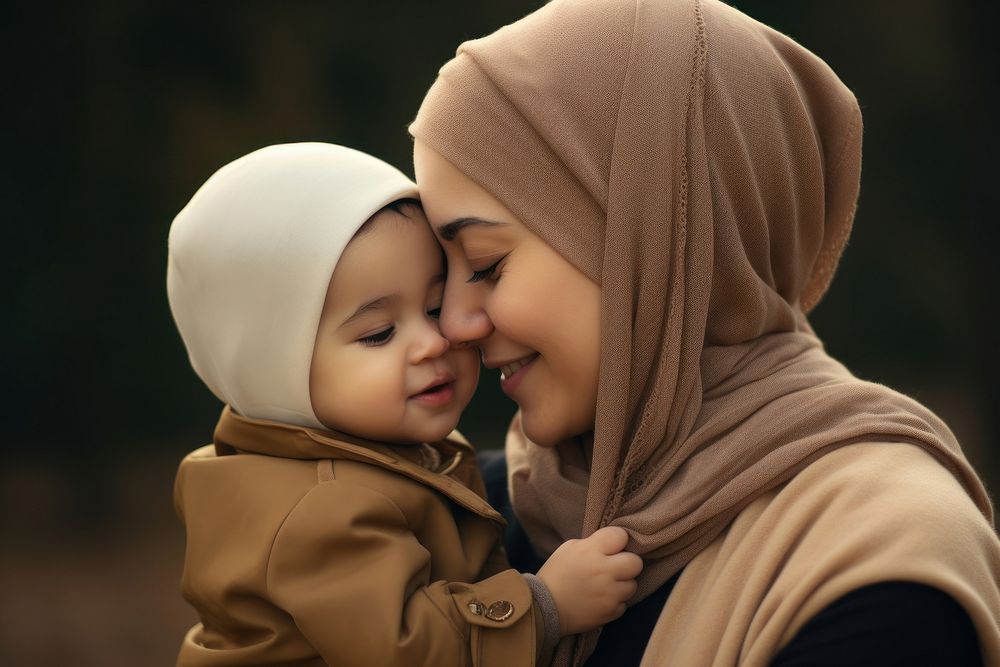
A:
378, 338
434, 313
478, 276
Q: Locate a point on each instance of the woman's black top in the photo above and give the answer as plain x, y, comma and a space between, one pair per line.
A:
891, 623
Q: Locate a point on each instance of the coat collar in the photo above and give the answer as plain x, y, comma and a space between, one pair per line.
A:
235, 434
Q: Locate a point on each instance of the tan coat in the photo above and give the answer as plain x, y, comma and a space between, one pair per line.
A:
304, 549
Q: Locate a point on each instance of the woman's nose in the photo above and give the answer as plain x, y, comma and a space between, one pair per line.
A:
463, 319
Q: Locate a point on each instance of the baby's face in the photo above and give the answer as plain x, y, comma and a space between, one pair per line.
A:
381, 369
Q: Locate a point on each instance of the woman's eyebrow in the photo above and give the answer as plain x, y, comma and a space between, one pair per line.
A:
450, 230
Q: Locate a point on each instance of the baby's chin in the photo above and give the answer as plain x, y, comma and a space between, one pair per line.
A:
436, 434
437, 427
428, 429
428, 433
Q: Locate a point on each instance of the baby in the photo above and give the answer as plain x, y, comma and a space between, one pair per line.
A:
336, 518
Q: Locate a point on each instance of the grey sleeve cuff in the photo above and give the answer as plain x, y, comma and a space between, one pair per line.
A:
550, 617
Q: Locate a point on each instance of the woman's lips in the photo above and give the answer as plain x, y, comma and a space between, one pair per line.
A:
511, 374
436, 396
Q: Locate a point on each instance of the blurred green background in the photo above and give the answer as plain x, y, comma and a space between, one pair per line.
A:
120, 110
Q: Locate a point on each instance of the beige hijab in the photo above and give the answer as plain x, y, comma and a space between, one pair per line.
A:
703, 169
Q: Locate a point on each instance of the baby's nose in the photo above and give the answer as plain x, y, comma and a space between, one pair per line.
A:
431, 343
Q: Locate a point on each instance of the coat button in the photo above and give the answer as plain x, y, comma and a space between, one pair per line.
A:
477, 608
500, 611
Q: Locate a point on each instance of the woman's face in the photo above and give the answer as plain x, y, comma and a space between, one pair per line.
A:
532, 314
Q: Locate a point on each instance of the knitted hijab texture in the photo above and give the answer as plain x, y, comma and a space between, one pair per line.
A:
703, 169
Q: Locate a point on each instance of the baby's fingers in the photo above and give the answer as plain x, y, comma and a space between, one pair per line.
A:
625, 590
610, 539
618, 596
618, 612
624, 565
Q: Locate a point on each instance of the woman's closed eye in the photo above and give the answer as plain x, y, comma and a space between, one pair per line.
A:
434, 313
483, 274
378, 338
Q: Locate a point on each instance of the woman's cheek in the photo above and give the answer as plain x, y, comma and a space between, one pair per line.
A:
524, 313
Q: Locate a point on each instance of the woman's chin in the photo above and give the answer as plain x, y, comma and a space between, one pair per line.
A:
534, 431
545, 432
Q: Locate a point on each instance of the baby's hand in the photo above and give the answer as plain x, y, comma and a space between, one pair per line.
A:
590, 579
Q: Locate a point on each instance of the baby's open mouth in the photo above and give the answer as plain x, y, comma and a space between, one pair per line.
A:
439, 393
433, 390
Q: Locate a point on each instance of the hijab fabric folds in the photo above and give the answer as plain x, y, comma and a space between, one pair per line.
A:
704, 170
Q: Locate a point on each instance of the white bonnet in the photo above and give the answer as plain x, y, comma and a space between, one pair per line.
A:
250, 260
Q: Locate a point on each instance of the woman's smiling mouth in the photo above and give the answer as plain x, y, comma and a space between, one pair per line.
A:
511, 374
507, 370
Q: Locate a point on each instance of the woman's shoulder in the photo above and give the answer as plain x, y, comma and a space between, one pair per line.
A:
861, 515
874, 512
885, 531
866, 507
884, 484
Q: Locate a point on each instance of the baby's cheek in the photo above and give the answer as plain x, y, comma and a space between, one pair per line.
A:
466, 364
365, 380
469, 361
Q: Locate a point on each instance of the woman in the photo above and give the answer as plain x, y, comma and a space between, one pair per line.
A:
640, 202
